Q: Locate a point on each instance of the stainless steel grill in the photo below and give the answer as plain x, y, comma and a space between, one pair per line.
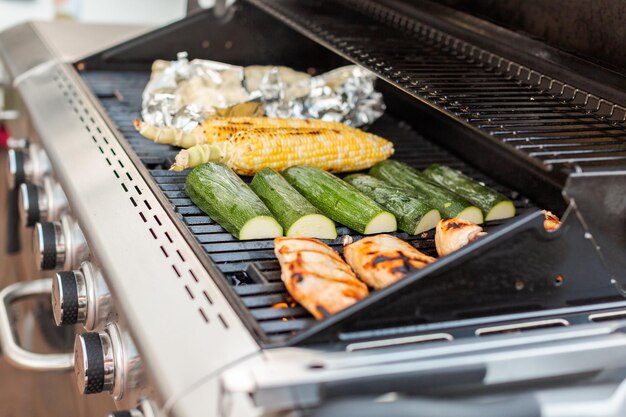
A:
250, 266
201, 307
482, 91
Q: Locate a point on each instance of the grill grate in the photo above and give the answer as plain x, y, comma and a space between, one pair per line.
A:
534, 118
250, 266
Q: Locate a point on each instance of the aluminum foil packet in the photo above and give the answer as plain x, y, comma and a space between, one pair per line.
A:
183, 93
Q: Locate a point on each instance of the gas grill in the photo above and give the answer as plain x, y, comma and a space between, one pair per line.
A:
251, 267
182, 317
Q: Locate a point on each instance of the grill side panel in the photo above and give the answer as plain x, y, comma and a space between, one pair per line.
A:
149, 267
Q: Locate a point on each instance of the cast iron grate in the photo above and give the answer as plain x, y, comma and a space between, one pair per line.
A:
250, 266
561, 130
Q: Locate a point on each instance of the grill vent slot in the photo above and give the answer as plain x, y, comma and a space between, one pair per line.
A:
165, 243
608, 316
521, 327
400, 341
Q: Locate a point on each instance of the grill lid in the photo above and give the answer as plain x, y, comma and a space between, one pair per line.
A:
559, 127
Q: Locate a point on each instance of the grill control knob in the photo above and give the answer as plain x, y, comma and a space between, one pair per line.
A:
30, 165
17, 167
69, 298
94, 362
50, 245
33, 204
107, 361
81, 297
41, 203
60, 245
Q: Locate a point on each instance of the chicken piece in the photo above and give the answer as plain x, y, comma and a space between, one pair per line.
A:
381, 260
551, 221
316, 276
453, 234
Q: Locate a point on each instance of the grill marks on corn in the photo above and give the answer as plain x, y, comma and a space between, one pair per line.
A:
328, 146
329, 149
223, 128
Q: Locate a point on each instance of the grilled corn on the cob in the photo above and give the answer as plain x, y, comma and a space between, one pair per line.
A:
222, 128
247, 152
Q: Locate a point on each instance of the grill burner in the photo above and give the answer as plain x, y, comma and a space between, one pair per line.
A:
250, 266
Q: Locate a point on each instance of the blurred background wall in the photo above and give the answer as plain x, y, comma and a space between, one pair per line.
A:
142, 12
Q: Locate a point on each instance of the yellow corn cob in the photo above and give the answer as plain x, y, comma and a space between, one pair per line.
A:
247, 152
222, 128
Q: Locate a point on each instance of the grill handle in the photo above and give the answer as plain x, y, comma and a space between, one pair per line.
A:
407, 382
14, 353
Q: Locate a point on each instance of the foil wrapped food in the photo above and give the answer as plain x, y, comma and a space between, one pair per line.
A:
183, 93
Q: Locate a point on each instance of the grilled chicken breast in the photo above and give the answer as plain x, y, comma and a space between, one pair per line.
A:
316, 276
453, 234
381, 260
551, 222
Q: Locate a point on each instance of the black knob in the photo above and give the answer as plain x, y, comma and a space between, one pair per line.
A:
31, 197
89, 363
17, 167
69, 298
49, 245
93, 363
30, 164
